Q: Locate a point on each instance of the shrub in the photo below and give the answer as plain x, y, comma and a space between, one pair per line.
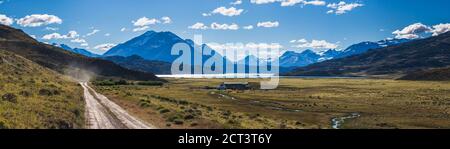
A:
178, 122
144, 103
226, 113
10, 98
188, 117
150, 83
164, 111
110, 82
45, 92
183, 102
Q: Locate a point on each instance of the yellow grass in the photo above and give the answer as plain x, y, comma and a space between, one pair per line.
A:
296, 103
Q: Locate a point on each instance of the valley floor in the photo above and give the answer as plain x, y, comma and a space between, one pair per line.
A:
297, 103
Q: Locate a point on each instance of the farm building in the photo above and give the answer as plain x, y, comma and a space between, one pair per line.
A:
234, 86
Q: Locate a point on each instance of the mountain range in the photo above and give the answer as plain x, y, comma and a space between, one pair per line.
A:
76, 50
150, 52
156, 46
396, 60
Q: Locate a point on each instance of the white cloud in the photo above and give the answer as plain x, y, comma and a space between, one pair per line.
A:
105, 47
206, 14
227, 11
123, 29
291, 2
412, 31
144, 21
315, 3
217, 26
299, 41
5, 20
198, 26
268, 24
53, 36
84, 44
415, 30
78, 40
237, 2
107, 34
93, 32
33, 36
37, 20
440, 29
138, 29
342, 7
263, 1
166, 20
248, 27
314, 44
285, 3
51, 28
303, 2
70, 35
407, 36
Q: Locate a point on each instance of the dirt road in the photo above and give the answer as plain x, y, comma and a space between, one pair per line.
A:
101, 113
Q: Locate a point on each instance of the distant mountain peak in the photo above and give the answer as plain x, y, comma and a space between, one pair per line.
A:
151, 46
149, 33
76, 50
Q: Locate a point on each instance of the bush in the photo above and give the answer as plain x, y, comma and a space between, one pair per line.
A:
188, 117
110, 82
10, 98
226, 113
48, 92
144, 103
150, 83
178, 122
164, 111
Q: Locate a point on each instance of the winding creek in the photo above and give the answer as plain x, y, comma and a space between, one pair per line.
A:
337, 122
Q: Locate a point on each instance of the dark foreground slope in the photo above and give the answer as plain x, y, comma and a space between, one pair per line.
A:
433, 52
442, 74
32, 96
63, 61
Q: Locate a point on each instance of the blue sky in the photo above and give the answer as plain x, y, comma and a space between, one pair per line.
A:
293, 24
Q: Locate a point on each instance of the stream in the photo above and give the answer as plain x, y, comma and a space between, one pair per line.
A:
336, 123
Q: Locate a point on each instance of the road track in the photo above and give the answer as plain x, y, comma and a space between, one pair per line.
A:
102, 113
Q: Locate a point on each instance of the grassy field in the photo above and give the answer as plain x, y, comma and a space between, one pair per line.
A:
297, 103
32, 96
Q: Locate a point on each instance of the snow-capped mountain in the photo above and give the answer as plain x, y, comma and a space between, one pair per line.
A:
368, 45
76, 50
294, 59
157, 46
150, 45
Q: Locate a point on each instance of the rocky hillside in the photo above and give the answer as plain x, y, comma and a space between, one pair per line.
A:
32, 96
62, 61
